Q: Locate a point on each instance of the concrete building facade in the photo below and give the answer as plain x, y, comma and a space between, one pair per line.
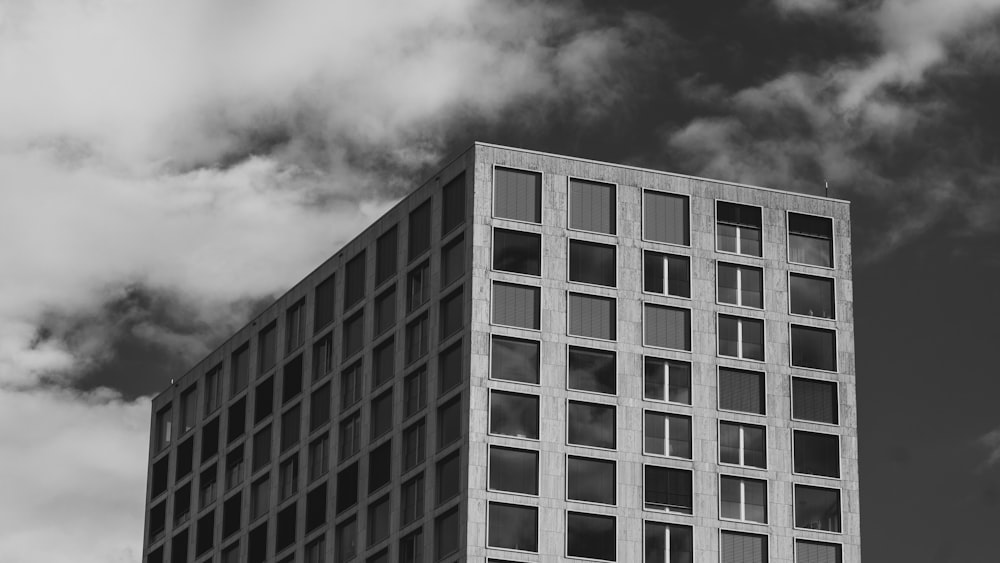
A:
534, 358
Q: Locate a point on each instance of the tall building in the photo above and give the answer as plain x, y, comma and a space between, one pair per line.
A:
533, 358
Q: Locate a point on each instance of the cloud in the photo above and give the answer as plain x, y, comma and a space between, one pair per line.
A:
991, 443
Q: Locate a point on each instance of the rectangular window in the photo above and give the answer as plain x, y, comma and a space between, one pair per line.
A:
208, 486
815, 400
514, 414
236, 420
814, 348
517, 305
352, 381
347, 487
513, 526
346, 544
517, 251
668, 489
738, 547
354, 280
446, 529
350, 436
517, 195
412, 500
322, 357
323, 304
818, 552
316, 508
665, 218
291, 428
261, 449
453, 261
260, 498
206, 534
379, 466
592, 316
591, 536
419, 238
383, 363
417, 335
319, 457
810, 240
741, 337
590, 424
319, 407
514, 359
213, 389
450, 371
453, 204
592, 206
418, 286
386, 255
239, 370
742, 444
816, 454
182, 504
743, 499
164, 427
385, 311
414, 445
286, 526
591, 480
738, 228
288, 478
667, 434
235, 468
741, 285
414, 392
592, 370
184, 462
209, 439
231, 554
666, 380
513, 470
668, 543
179, 548
382, 414
189, 408
411, 547
593, 263
448, 478
267, 348
451, 315
354, 334
812, 296
817, 508
291, 379
666, 274
295, 325
449, 422
667, 327
741, 391
316, 551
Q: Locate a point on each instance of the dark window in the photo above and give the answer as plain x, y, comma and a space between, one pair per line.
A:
592, 370
316, 551
449, 422
517, 251
291, 379
590, 424
213, 389
261, 449
354, 334
742, 444
450, 368
517, 194
665, 218
156, 556
385, 311
514, 414
208, 486
295, 325
384, 363
741, 390
354, 280
517, 305
592, 206
288, 478
323, 314
232, 515
816, 454
448, 478
350, 436
668, 489
817, 508
743, 499
346, 544
316, 508
184, 462
419, 235
817, 552
453, 204
738, 228
592, 263
381, 414
323, 357
263, 400
513, 470
743, 548
451, 317
240, 370
157, 521
513, 359
351, 385
319, 407
209, 439
179, 548
412, 500
591, 536
378, 520
189, 408
666, 274
414, 445
414, 392
814, 348
446, 529
182, 504
206, 534
231, 554
418, 286
257, 544
814, 400
811, 295
319, 457
386, 255
810, 240
236, 420
667, 434
453, 261
417, 335
267, 348
668, 543
411, 547
285, 529
592, 316
666, 380
347, 487
159, 477
740, 337
513, 527
260, 498
741, 285
591, 480
667, 327
291, 428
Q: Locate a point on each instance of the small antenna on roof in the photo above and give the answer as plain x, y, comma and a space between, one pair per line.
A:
827, 182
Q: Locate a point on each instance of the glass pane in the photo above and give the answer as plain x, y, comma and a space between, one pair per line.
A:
592, 263
590, 480
668, 489
592, 370
515, 360
817, 508
513, 414
810, 295
591, 536
514, 470
513, 527
652, 272
817, 454
518, 252
592, 425
814, 348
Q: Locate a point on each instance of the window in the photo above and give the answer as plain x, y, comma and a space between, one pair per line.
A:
814, 348
319, 407
741, 337
260, 498
267, 348
665, 218
411, 547
810, 240
668, 489
291, 379
414, 392
316, 551
517, 305
157, 521
741, 285
419, 236
350, 436
450, 368
386, 255
668, 543
412, 500
351, 385
383, 363
817, 508
818, 552
448, 478
179, 548
378, 520
263, 400
449, 422
517, 251
592, 316
513, 470
517, 195
213, 389
206, 534
208, 486
182, 504
240, 370
164, 427
288, 478
291, 428
514, 414
323, 304
209, 439
385, 311
417, 286
189, 408
591, 370
236, 419
593, 263
416, 339
816, 454
514, 359
742, 444
811, 296
513, 527
741, 391
591, 480
666, 380
446, 529
322, 357
414, 441
261, 449
451, 318
738, 547
814, 400
285, 528
346, 544
591, 536
667, 434
319, 457
382, 414
666, 274
232, 515
354, 280
452, 261
592, 425
347, 487
592, 206
354, 334
738, 228
743, 499
295, 325
667, 327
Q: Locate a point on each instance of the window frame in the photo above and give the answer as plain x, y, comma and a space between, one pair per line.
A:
833, 240
668, 524
613, 246
613, 461
836, 349
642, 215
690, 334
763, 427
764, 341
614, 354
668, 414
614, 300
791, 400
694, 490
538, 539
718, 386
489, 470
798, 540
763, 285
689, 259
489, 415
489, 374
840, 456
768, 512
541, 251
616, 224
765, 535
715, 228
541, 193
541, 304
834, 296
840, 503
617, 430
613, 517
667, 360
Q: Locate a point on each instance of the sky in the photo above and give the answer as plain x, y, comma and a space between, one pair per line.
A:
168, 168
